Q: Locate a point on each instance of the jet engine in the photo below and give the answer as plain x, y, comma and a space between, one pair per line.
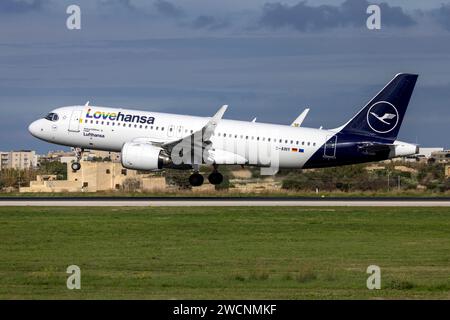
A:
403, 149
143, 156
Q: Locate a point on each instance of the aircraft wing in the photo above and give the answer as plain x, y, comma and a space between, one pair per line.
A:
197, 142
200, 138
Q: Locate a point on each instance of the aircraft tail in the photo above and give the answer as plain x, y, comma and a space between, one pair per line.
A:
383, 115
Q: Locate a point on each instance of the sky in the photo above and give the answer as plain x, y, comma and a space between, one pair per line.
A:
265, 59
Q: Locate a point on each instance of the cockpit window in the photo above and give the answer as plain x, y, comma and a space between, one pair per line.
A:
52, 117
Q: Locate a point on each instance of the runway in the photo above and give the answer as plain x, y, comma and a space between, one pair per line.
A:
224, 202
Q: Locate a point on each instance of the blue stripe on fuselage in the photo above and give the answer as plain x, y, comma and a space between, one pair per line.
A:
347, 152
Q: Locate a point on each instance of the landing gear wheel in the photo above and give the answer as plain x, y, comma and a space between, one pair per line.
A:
196, 179
76, 166
215, 178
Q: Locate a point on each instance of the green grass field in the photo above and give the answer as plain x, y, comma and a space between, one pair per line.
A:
224, 253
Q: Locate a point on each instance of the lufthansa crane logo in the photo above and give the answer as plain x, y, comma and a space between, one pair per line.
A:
382, 117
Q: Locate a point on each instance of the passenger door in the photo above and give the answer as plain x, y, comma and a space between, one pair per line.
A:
330, 147
74, 124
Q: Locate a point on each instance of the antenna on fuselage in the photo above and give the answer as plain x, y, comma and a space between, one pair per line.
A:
87, 104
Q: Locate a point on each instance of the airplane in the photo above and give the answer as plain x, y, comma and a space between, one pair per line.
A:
154, 141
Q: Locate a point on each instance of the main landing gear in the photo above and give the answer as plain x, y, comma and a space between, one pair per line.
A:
196, 179
215, 177
79, 154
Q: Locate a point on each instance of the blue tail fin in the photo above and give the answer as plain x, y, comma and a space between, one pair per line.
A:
383, 115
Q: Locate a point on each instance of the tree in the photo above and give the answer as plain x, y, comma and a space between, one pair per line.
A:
178, 178
53, 168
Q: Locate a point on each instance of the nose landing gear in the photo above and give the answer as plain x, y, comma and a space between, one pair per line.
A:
75, 166
79, 154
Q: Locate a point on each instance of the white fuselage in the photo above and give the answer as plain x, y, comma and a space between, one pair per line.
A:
92, 127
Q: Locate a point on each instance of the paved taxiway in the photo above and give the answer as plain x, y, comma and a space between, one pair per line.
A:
224, 202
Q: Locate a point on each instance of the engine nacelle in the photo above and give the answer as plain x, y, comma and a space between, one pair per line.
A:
143, 156
403, 149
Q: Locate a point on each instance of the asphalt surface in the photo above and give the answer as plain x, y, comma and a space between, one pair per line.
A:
223, 202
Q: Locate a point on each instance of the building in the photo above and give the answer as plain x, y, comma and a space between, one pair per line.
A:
447, 171
97, 176
52, 156
22, 159
4, 159
90, 155
441, 156
426, 152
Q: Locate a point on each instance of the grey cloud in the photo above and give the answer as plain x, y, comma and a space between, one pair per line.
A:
304, 17
209, 22
168, 9
442, 15
21, 6
120, 4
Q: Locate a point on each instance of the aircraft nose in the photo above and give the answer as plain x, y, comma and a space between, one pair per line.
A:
34, 128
